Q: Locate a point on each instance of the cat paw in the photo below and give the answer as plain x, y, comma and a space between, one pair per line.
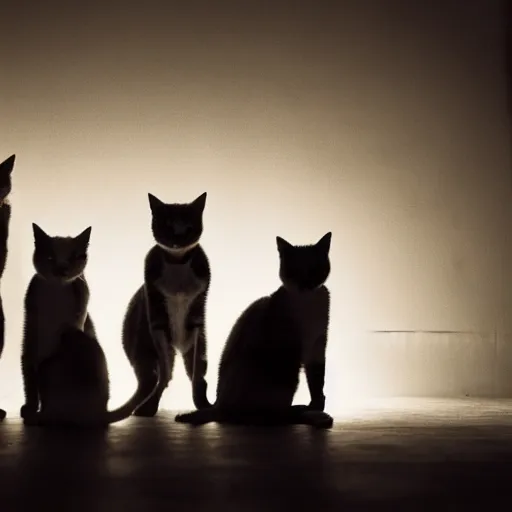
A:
300, 408
317, 404
318, 419
3, 414
185, 417
27, 410
145, 412
196, 417
31, 420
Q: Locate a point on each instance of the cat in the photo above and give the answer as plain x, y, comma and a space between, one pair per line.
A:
6, 168
167, 313
64, 368
270, 342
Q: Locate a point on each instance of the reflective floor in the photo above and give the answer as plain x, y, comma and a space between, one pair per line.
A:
395, 455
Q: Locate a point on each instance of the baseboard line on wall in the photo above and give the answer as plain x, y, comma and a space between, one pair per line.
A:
412, 331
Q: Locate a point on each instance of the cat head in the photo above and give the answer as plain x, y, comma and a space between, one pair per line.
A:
59, 258
6, 168
304, 267
177, 227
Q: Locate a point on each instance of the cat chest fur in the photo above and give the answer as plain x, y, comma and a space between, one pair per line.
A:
180, 286
310, 312
56, 306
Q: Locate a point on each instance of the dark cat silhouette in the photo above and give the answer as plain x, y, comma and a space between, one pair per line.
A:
6, 168
64, 368
167, 313
270, 342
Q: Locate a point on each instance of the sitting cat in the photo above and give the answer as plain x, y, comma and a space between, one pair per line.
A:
167, 313
63, 365
6, 168
269, 343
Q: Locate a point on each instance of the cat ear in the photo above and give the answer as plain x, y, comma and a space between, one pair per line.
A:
39, 234
325, 242
282, 244
154, 202
7, 166
84, 237
200, 202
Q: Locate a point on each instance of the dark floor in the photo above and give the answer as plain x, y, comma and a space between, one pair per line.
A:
402, 455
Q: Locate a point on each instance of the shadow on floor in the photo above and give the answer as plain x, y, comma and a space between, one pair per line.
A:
403, 456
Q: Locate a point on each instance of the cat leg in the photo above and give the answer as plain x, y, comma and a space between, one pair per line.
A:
147, 372
165, 353
2, 327
29, 372
315, 374
158, 325
2, 331
196, 366
150, 407
141, 351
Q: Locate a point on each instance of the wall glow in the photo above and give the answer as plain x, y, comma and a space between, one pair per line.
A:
120, 238
367, 128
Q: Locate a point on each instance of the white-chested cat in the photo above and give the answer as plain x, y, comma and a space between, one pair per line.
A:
65, 373
6, 168
271, 341
167, 313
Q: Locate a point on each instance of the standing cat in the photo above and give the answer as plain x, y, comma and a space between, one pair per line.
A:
63, 365
6, 168
269, 343
167, 313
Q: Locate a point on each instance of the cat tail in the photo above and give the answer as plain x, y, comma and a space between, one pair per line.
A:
141, 395
293, 415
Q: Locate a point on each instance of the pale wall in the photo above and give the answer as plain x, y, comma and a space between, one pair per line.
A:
368, 126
